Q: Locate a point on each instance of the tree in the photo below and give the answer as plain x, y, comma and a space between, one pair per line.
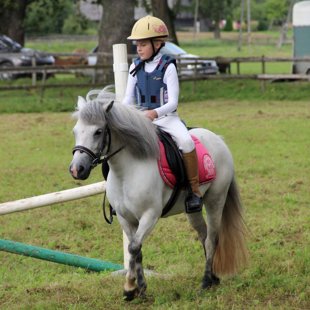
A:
12, 15
216, 11
161, 10
49, 16
283, 34
35, 16
115, 27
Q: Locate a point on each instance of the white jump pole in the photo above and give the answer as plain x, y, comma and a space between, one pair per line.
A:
52, 198
120, 68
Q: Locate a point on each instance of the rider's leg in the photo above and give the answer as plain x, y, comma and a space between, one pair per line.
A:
194, 199
176, 128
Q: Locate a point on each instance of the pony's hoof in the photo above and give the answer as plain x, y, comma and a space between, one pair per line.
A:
130, 295
210, 281
142, 292
206, 284
215, 280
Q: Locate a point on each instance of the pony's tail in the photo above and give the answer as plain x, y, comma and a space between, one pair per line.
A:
231, 251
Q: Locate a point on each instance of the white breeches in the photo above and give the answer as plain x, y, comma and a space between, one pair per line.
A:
172, 124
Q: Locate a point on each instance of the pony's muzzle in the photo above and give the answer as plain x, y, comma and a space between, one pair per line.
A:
79, 171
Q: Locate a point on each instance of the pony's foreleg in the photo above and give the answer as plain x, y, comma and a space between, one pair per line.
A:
130, 286
135, 271
146, 225
136, 254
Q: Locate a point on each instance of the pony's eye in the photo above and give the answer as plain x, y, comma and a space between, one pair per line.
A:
98, 132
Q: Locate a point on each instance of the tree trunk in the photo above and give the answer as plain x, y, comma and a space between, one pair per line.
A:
249, 21
115, 26
161, 10
241, 23
217, 30
284, 28
12, 15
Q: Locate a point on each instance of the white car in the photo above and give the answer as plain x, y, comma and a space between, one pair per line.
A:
188, 64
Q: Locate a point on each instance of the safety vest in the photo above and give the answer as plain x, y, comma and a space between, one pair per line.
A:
151, 91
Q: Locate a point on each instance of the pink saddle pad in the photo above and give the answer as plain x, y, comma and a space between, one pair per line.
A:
207, 171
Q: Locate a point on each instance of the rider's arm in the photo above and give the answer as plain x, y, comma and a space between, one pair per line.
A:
130, 89
172, 81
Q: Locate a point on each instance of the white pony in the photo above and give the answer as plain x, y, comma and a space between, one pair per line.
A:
138, 194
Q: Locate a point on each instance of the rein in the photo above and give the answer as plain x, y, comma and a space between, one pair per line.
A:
99, 159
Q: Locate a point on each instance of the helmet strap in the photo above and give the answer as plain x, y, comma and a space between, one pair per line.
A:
141, 64
155, 52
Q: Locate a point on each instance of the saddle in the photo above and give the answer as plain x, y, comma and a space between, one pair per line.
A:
172, 170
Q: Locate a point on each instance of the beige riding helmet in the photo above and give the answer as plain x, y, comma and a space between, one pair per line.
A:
148, 27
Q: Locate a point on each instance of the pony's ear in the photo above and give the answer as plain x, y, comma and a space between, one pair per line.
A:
81, 102
109, 107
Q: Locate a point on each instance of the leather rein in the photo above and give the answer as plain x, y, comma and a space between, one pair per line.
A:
99, 158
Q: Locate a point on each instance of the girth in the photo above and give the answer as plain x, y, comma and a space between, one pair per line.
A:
175, 161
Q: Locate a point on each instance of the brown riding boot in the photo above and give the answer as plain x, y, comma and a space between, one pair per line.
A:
193, 202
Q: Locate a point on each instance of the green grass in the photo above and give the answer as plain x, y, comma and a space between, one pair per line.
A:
270, 144
64, 99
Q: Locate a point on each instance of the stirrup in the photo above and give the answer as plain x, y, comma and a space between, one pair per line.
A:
193, 203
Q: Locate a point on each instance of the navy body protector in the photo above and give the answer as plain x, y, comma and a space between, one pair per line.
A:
151, 91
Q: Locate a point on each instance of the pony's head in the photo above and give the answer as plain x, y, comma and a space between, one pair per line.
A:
91, 136
104, 125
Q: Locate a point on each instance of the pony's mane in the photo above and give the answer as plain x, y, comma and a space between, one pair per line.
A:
131, 127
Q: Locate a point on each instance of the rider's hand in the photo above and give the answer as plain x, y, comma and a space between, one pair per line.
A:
151, 114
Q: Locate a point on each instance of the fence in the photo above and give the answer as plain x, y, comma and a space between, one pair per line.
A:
68, 66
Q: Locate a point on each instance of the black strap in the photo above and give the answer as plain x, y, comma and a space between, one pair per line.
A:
134, 71
110, 219
176, 165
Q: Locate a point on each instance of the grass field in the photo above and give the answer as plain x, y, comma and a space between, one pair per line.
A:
270, 143
266, 126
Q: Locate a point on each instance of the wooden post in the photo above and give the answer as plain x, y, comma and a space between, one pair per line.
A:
34, 74
263, 65
120, 68
238, 67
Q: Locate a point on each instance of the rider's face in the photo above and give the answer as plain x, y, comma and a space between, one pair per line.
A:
145, 49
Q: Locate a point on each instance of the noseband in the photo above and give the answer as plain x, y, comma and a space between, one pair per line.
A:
98, 158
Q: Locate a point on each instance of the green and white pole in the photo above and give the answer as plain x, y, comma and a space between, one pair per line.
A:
57, 256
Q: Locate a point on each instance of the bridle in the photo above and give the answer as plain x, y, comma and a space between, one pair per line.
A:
100, 157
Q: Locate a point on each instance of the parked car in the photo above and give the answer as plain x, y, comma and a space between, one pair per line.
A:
189, 64
12, 54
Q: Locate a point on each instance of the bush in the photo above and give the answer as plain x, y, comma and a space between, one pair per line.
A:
75, 24
262, 25
228, 25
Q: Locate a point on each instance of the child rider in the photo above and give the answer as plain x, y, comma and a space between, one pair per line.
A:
153, 84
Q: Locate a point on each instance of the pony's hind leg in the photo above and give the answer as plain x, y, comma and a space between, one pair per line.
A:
214, 207
198, 222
